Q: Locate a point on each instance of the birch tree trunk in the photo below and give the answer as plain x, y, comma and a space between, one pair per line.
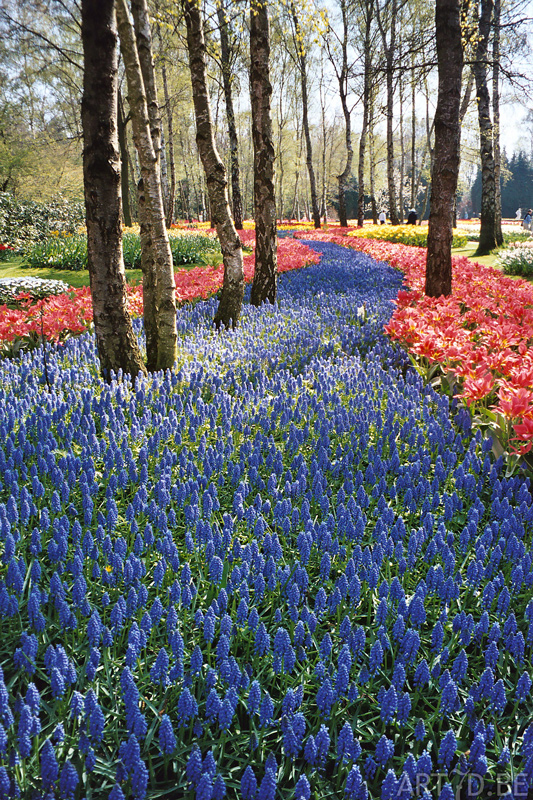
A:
124, 173
116, 342
487, 231
496, 126
324, 199
401, 209
372, 159
447, 147
264, 286
389, 49
149, 278
465, 102
302, 65
413, 133
158, 266
171, 161
150, 304
280, 151
236, 197
430, 149
165, 187
295, 203
342, 80
230, 304
368, 10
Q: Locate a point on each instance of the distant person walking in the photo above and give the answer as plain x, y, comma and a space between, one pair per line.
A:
412, 219
527, 221
518, 214
382, 218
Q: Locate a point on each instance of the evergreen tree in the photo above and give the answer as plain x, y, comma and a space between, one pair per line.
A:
517, 187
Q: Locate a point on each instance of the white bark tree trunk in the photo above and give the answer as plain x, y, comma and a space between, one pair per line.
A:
147, 137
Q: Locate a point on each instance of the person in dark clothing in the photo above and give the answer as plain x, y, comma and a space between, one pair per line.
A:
412, 219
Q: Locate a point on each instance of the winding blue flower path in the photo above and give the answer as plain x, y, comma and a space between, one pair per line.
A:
285, 570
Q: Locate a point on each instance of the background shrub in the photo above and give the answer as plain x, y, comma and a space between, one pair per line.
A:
23, 221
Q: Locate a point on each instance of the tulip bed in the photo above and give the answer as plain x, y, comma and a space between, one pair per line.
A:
481, 336
285, 570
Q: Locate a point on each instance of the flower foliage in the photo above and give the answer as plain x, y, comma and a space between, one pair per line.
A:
517, 258
69, 251
289, 553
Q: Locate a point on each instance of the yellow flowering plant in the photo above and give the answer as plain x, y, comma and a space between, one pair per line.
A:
413, 235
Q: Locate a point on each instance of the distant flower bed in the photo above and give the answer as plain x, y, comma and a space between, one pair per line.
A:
248, 224
517, 258
13, 289
295, 225
413, 235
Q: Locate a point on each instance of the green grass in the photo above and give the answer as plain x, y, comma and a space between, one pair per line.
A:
13, 269
470, 249
487, 261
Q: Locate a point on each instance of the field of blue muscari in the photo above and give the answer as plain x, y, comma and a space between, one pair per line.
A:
285, 570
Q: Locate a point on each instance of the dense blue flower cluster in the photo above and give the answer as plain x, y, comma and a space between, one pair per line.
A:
286, 569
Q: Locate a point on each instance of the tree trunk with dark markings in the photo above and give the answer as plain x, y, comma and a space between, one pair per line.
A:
116, 342
264, 286
230, 304
447, 148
